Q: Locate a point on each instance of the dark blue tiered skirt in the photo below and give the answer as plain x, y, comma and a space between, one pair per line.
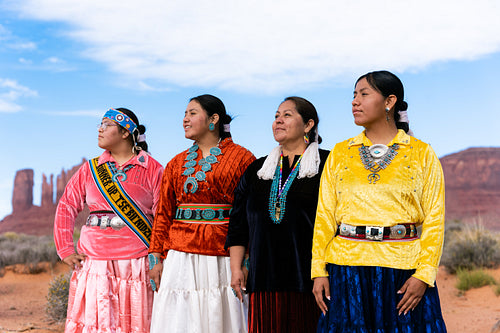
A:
364, 299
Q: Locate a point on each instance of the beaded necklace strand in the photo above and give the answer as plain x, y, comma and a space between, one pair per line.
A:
277, 197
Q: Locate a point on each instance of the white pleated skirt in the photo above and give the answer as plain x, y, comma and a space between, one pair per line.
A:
195, 296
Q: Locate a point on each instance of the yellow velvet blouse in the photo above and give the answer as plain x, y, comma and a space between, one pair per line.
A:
410, 190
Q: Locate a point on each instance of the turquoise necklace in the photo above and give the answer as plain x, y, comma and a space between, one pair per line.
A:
205, 163
119, 173
277, 197
376, 158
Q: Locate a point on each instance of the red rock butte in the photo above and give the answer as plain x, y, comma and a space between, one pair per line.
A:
30, 219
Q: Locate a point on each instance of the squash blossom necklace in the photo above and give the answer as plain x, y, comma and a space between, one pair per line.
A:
205, 163
277, 197
376, 158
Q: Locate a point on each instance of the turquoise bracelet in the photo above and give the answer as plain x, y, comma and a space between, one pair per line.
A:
246, 263
153, 260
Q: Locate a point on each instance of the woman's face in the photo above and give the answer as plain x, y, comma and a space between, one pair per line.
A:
288, 126
368, 105
110, 134
195, 121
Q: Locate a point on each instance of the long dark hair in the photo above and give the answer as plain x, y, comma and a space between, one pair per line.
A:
388, 84
141, 129
307, 111
212, 105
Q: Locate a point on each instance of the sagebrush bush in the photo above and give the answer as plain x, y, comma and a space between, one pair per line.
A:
470, 248
473, 279
57, 297
26, 249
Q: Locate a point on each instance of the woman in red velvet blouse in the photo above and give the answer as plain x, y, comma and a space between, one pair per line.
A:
191, 224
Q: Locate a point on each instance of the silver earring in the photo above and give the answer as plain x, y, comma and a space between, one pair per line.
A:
387, 114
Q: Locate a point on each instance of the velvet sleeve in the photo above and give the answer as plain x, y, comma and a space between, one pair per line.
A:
71, 203
325, 224
433, 199
238, 232
164, 212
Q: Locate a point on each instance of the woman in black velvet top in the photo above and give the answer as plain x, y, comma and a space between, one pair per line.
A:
273, 219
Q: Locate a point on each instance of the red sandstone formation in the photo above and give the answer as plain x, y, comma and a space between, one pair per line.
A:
472, 181
37, 220
22, 196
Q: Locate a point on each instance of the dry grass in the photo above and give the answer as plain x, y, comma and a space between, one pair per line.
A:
27, 250
470, 248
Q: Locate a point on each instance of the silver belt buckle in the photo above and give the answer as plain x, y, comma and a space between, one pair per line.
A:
398, 231
104, 222
374, 233
347, 230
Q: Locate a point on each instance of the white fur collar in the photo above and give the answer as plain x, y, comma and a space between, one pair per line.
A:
309, 165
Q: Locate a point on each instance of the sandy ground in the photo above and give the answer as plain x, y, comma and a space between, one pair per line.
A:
23, 301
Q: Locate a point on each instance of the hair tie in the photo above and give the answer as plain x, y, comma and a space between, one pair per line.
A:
227, 128
403, 116
141, 138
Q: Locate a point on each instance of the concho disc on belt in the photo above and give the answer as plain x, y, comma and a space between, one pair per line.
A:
116, 223
398, 231
92, 221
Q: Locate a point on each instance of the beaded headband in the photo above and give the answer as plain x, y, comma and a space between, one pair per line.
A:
122, 119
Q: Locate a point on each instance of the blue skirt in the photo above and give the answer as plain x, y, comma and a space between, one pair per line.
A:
364, 299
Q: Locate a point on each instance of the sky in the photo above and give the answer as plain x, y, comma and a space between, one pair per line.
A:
63, 63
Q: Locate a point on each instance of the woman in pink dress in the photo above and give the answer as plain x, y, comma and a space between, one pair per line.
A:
110, 289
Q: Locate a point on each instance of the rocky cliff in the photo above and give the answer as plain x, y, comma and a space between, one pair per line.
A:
472, 181
37, 220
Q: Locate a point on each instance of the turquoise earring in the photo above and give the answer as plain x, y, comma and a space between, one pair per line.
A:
211, 127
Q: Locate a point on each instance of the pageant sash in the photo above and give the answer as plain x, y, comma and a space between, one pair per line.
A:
120, 201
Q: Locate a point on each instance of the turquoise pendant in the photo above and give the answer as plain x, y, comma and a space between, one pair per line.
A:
117, 174
194, 185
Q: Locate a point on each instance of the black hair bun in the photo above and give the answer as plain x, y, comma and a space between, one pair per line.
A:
142, 129
403, 106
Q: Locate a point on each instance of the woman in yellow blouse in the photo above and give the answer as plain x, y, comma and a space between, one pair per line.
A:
373, 270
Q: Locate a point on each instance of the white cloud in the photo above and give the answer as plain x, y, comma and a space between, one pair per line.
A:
10, 93
25, 61
54, 60
23, 46
272, 45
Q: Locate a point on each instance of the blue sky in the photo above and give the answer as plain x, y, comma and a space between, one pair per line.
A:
63, 63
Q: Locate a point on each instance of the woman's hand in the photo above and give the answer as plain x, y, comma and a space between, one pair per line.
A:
239, 282
413, 290
156, 271
321, 289
75, 260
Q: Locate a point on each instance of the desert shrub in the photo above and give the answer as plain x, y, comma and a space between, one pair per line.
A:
26, 249
57, 297
470, 248
473, 279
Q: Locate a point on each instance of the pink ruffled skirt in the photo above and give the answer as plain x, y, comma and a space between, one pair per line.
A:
110, 296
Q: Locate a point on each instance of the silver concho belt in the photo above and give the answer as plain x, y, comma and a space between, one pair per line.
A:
105, 221
402, 232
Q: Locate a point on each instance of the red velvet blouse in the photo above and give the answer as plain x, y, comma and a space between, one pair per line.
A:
208, 239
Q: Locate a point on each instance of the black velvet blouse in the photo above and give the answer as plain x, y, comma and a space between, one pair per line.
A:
280, 254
